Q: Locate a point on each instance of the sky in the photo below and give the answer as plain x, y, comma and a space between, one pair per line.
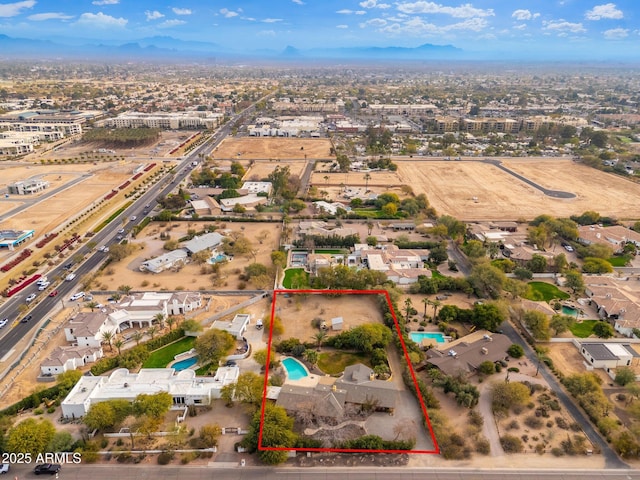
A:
516, 28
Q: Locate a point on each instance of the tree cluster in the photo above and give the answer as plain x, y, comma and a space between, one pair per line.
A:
363, 338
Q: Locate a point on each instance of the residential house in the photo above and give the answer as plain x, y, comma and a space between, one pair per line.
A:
617, 301
330, 208
65, 358
464, 356
167, 261
208, 241
608, 356
87, 329
236, 327
402, 266
615, 236
184, 387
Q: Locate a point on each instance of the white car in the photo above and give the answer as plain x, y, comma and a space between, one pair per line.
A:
77, 296
568, 248
4, 468
30, 298
70, 277
3, 322
44, 285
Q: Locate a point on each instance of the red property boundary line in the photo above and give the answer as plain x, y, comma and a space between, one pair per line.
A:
406, 356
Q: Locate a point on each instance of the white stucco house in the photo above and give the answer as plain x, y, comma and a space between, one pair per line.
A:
607, 356
235, 327
67, 358
87, 329
184, 387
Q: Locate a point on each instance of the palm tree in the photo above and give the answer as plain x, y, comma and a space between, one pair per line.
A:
92, 305
116, 296
369, 227
171, 321
137, 336
408, 305
435, 304
118, 344
319, 338
125, 289
311, 356
367, 177
426, 302
326, 179
107, 336
151, 331
159, 318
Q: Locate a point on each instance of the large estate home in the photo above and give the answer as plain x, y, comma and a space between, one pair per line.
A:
617, 301
615, 236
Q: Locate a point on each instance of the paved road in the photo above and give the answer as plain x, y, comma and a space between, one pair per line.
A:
611, 458
228, 472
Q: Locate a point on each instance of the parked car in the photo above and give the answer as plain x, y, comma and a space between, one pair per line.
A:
77, 296
230, 363
53, 293
30, 298
50, 468
3, 322
568, 248
4, 468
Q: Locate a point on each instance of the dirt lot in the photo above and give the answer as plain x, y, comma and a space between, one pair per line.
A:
452, 186
297, 312
261, 168
247, 148
191, 276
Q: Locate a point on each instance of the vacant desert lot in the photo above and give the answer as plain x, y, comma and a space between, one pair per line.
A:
261, 168
452, 186
247, 148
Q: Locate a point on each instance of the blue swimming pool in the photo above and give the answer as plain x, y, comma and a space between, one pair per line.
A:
295, 370
419, 336
567, 310
184, 364
218, 258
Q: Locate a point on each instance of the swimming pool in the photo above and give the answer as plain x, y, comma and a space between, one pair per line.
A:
566, 310
184, 364
218, 258
419, 336
295, 369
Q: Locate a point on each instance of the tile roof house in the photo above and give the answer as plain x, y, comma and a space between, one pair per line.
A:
617, 301
66, 358
614, 236
465, 355
86, 329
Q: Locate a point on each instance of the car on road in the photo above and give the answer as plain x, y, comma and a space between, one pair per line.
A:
30, 298
103, 248
568, 248
121, 231
119, 237
26, 319
50, 468
68, 266
4, 468
44, 285
3, 322
53, 293
77, 296
70, 277
133, 218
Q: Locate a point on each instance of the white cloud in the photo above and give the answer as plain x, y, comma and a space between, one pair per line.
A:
463, 11
524, 15
360, 12
100, 20
608, 10
228, 13
39, 17
106, 2
13, 9
522, 26
616, 33
418, 26
562, 26
171, 23
267, 33
298, 2
374, 4
374, 22
181, 11
155, 15
342, 26
272, 20
345, 11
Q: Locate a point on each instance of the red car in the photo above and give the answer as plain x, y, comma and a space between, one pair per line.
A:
53, 293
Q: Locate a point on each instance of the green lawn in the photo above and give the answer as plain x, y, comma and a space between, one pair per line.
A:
584, 328
290, 273
334, 363
542, 291
331, 251
436, 274
620, 261
163, 356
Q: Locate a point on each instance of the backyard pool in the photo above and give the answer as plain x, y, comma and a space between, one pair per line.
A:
218, 258
184, 364
295, 369
419, 336
298, 259
569, 311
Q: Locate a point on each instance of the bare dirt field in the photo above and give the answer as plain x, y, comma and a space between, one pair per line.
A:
452, 186
247, 148
260, 169
298, 311
191, 276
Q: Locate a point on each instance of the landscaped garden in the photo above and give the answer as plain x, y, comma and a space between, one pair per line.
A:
334, 363
165, 355
289, 275
583, 329
542, 291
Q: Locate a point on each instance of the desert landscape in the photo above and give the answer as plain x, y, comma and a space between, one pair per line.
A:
248, 148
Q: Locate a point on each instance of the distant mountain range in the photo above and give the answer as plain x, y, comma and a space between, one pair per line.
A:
169, 48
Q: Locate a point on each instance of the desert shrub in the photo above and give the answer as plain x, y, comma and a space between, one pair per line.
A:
124, 457
525, 438
557, 452
533, 422
188, 457
549, 423
562, 423
513, 425
539, 448
482, 446
511, 444
38, 411
165, 458
104, 443
513, 369
475, 418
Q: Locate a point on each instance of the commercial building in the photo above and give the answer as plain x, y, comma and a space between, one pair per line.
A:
168, 121
27, 187
12, 238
